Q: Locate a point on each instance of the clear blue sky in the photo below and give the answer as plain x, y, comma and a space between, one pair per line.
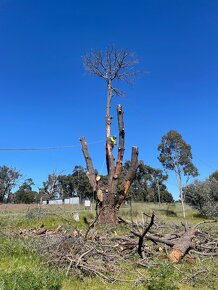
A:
47, 99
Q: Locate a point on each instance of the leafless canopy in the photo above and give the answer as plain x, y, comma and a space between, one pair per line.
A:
111, 64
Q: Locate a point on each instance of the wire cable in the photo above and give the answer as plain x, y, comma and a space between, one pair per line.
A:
48, 148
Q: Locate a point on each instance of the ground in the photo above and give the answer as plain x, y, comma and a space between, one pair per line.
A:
24, 266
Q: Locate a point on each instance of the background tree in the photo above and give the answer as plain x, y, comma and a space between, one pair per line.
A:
175, 155
203, 195
8, 178
148, 184
76, 184
111, 65
214, 175
25, 194
51, 188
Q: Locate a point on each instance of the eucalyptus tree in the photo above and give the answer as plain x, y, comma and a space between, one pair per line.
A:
76, 184
175, 155
25, 193
8, 179
149, 184
51, 187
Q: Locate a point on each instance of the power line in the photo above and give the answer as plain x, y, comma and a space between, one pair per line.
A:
48, 148
204, 162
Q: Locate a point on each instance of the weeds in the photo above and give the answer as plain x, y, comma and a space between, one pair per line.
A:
164, 277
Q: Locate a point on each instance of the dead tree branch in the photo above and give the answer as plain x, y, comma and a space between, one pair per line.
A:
141, 251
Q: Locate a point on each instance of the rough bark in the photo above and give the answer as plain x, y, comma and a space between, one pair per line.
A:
108, 213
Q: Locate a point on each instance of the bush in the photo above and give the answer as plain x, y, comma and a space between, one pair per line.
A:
162, 278
22, 279
203, 195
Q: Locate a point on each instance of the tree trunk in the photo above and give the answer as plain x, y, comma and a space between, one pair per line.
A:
108, 199
181, 194
181, 247
107, 214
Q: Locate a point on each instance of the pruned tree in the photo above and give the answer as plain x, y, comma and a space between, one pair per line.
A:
175, 155
111, 65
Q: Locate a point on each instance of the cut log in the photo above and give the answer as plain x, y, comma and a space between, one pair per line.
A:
183, 245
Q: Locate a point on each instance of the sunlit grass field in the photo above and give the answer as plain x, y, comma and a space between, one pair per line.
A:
22, 268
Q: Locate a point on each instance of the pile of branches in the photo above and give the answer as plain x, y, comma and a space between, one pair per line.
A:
102, 253
176, 241
95, 255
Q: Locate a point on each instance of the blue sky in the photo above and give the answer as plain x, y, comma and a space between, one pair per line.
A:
47, 98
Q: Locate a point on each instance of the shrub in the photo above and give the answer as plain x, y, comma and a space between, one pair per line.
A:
203, 195
22, 279
162, 278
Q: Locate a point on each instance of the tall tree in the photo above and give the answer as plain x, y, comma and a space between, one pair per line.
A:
111, 65
175, 155
8, 178
51, 187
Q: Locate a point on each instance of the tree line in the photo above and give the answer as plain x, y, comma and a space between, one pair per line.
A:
148, 185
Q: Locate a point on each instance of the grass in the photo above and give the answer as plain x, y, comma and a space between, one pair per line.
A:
22, 268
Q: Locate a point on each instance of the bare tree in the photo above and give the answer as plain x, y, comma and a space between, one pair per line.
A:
111, 65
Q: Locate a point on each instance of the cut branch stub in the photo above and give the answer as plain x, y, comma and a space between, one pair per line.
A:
121, 141
120, 153
89, 165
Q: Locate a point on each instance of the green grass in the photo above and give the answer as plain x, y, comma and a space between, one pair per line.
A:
21, 266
